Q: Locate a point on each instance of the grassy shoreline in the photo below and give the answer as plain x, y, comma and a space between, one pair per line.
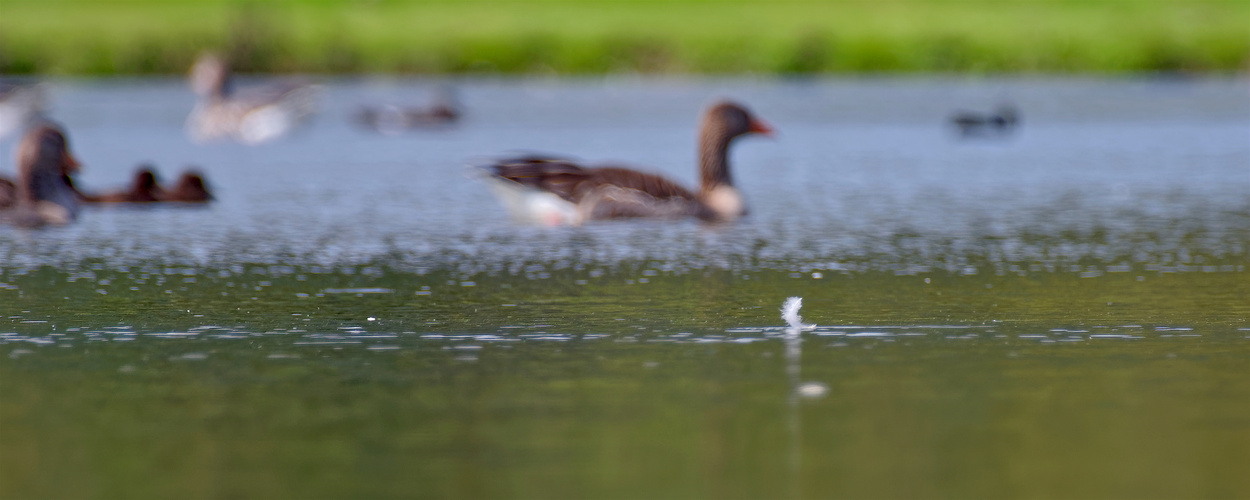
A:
84, 37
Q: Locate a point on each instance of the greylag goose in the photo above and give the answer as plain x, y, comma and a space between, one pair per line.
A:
1001, 122
555, 191
41, 195
250, 116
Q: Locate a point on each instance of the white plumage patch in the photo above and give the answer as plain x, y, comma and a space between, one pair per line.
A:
790, 313
534, 206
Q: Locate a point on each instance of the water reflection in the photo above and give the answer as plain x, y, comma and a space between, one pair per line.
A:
793, 338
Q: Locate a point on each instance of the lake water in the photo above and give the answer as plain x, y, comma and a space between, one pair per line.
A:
1060, 312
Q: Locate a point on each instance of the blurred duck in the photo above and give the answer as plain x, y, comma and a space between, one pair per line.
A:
392, 119
145, 188
1001, 122
190, 188
250, 116
21, 105
41, 195
555, 191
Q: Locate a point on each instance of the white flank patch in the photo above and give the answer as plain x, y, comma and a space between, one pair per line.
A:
532, 206
264, 124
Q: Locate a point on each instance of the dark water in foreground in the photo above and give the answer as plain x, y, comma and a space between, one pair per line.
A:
1064, 312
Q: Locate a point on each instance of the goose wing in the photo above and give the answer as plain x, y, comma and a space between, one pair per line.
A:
553, 175
601, 192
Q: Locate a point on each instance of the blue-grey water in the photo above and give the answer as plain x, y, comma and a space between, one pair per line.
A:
1059, 312
859, 167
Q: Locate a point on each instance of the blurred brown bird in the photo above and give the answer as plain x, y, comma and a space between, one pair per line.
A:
190, 188
41, 195
556, 191
143, 189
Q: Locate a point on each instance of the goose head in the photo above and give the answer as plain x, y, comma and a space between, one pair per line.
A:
727, 120
210, 76
723, 122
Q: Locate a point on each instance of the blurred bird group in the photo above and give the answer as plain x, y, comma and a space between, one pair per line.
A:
535, 188
44, 190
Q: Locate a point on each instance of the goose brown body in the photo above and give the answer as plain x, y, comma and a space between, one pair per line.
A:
41, 194
616, 192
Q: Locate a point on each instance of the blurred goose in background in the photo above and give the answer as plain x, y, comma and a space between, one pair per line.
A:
1001, 122
391, 119
190, 188
251, 116
556, 191
41, 195
21, 104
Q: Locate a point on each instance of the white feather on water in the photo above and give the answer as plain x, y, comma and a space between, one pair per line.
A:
790, 313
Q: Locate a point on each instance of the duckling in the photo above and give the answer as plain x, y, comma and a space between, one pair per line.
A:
190, 188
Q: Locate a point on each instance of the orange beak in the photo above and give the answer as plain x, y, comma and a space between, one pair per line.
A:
71, 164
761, 127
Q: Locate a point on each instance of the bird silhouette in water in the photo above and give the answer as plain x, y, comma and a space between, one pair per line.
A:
145, 188
190, 188
1002, 122
393, 119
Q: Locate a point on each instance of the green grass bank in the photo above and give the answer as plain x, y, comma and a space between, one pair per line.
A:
108, 37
